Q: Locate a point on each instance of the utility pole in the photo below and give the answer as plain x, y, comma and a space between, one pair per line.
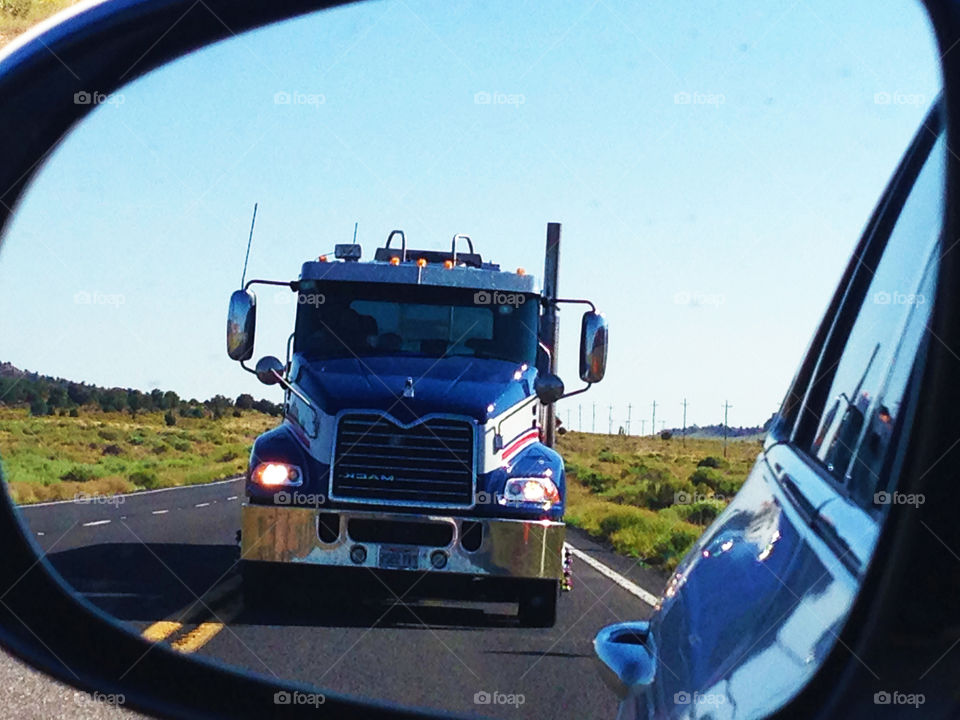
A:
653, 421
684, 435
580, 417
643, 428
663, 425
629, 412
726, 407
610, 420
593, 421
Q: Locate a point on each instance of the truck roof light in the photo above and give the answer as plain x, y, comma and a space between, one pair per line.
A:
394, 260
448, 264
421, 262
521, 271
322, 258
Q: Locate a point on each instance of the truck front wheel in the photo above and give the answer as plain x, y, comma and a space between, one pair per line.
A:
538, 603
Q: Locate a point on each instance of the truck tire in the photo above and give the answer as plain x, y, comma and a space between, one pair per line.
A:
538, 604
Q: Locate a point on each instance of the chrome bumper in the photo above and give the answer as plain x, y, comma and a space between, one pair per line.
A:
509, 548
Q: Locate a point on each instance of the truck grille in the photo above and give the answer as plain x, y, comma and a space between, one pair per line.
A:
376, 460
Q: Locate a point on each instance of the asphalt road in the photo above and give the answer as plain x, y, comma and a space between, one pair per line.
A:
164, 562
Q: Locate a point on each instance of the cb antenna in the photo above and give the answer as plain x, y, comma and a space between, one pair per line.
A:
249, 242
355, 232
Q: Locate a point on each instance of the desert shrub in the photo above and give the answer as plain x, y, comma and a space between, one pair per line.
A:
108, 434
711, 462
596, 481
79, 473
146, 479
111, 450
606, 455
169, 418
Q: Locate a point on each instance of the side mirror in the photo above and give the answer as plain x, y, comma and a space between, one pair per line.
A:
269, 370
548, 387
627, 657
241, 324
593, 347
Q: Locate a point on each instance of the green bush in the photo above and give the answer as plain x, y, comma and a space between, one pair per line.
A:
146, 479
108, 434
606, 455
136, 440
596, 481
712, 462
79, 473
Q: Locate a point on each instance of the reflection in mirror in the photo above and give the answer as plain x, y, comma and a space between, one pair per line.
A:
386, 521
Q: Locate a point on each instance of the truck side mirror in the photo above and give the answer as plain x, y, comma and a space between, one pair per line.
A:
241, 325
548, 387
593, 347
269, 370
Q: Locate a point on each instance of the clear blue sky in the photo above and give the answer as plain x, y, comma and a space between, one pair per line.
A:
712, 232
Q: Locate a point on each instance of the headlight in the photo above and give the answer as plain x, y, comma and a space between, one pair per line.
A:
539, 490
276, 474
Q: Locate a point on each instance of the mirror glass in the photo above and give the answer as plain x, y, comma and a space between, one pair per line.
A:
241, 325
711, 171
593, 347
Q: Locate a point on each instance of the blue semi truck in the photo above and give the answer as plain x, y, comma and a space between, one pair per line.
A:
416, 443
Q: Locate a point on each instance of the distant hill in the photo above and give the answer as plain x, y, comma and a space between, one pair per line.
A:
46, 395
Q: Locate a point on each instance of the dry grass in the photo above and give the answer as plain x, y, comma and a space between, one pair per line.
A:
56, 457
18, 16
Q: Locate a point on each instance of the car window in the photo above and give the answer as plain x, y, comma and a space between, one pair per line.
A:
876, 336
864, 473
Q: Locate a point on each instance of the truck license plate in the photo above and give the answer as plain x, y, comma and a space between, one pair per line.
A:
399, 558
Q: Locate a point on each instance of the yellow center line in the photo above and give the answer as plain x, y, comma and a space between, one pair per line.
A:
164, 629
161, 630
205, 632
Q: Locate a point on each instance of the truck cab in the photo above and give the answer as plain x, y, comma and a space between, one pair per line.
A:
413, 445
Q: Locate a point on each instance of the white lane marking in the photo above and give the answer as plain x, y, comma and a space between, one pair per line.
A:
137, 494
159, 512
95, 523
617, 578
201, 504
232, 497
40, 534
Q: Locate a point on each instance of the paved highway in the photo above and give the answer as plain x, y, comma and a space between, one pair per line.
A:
164, 562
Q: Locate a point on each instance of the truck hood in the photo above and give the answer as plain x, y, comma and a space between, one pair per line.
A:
457, 385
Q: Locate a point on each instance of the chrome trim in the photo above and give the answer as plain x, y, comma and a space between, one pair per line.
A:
477, 449
510, 548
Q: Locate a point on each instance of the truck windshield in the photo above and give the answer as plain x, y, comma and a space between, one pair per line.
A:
340, 319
